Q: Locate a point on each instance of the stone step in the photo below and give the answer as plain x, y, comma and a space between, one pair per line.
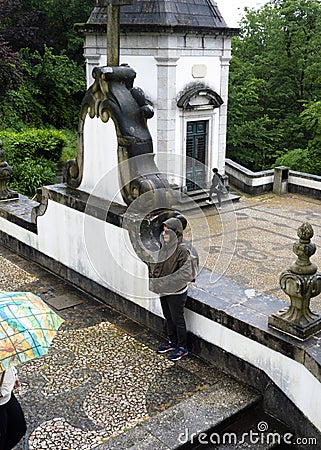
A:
197, 199
18, 211
181, 425
252, 429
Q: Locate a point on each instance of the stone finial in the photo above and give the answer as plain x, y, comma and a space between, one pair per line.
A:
5, 176
304, 249
300, 282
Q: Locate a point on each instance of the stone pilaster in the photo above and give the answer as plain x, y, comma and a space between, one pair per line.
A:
225, 63
166, 107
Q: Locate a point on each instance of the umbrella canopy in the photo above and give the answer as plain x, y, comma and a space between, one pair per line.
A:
27, 327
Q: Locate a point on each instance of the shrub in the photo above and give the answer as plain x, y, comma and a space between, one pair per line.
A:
33, 143
300, 160
33, 155
32, 173
70, 149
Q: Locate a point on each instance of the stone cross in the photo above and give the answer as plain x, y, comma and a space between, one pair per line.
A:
113, 28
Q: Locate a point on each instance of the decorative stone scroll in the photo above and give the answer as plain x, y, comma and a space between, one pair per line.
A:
300, 282
5, 176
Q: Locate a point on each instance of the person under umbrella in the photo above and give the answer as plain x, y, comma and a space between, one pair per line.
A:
12, 421
27, 328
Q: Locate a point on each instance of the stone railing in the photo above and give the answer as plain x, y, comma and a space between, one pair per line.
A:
280, 180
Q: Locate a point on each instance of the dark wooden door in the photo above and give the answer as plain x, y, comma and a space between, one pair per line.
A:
196, 142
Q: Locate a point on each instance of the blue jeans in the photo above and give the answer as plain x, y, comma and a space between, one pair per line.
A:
173, 310
213, 190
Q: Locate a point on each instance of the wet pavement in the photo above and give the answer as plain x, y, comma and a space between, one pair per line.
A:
102, 376
258, 234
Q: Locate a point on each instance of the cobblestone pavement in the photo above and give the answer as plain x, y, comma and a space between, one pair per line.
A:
258, 234
102, 376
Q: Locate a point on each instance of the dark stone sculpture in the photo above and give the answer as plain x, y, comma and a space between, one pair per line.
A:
5, 176
300, 282
112, 95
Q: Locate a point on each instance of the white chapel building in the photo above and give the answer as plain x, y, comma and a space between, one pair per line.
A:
180, 51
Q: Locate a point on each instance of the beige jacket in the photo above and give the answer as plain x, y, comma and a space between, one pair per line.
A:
9, 379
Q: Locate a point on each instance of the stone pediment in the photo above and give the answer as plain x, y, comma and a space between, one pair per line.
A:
199, 97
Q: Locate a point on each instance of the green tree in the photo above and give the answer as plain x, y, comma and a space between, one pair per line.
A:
275, 71
307, 159
11, 69
50, 95
62, 16
42, 76
34, 23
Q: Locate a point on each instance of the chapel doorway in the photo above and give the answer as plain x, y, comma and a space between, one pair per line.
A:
196, 146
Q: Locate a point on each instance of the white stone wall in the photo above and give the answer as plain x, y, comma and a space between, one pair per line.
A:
97, 250
295, 380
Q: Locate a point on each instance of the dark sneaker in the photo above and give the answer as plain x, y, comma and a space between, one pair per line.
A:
166, 347
178, 353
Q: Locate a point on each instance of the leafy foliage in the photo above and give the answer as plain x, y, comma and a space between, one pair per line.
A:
42, 81
34, 23
23, 25
70, 149
297, 159
11, 69
274, 81
33, 173
50, 95
42, 78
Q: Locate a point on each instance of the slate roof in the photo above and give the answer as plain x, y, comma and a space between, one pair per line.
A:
164, 15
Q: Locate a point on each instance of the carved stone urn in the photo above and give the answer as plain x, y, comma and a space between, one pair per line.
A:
300, 282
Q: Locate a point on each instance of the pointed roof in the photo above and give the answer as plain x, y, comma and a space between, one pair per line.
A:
162, 16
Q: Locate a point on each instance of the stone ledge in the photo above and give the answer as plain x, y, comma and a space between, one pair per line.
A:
81, 201
18, 211
230, 305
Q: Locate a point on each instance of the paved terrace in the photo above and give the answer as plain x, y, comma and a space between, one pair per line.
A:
102, 376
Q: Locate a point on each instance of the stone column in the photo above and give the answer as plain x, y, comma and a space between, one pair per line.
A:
166, 110
280, 182
225, 63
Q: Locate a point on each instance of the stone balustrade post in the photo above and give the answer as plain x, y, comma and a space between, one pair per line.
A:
300, 282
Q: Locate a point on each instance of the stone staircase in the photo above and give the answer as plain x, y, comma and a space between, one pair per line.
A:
251, 428
227, 416
197, 199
